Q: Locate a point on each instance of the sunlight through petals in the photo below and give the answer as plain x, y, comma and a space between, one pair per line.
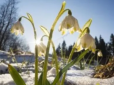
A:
17, 28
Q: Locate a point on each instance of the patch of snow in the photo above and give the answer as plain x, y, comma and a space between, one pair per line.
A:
3, 68
84, 77
4, 52
74, 67
75, 77
51, 72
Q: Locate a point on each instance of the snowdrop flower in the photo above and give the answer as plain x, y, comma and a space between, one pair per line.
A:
17, 28
86, 42
41, 49
69, 23
99, 54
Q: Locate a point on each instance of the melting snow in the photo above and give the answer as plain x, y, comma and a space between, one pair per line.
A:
74, 75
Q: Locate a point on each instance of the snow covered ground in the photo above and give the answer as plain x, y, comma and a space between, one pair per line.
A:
74, 76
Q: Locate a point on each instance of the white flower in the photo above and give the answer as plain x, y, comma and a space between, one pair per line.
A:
69, 23
86, 42
99, 54
41, 49
17, 28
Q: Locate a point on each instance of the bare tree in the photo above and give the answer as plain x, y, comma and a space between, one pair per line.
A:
18, 44
8, 13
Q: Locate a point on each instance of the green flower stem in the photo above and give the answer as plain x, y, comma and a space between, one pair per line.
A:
88, 57
70, 57
48, 46
36, 51
71, 54
36, 56
53, 60
81, 65
91, 60
55, 56
36, 64
100, 60
45, 64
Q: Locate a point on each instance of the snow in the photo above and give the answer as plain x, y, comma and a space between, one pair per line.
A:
4, 52
84, 77
51, 72
6, 79
3, 68
74, 76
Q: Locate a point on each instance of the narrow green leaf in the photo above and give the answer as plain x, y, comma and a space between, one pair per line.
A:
68, 66
40, 80
15, 75
30, 17
47, 82
87, 24
91, 60
44, 30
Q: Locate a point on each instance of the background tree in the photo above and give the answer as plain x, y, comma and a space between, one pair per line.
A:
64, 48
111, 44
97, 43
69, 50
107, 50
104, 47
58, 50
8, 13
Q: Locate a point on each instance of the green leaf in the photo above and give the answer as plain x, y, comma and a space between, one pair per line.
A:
91, 60
47, 82
87, 24
68, 66
15, 75
44, 30
30, 17
40, 80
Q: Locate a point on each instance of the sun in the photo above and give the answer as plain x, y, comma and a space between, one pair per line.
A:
37, 42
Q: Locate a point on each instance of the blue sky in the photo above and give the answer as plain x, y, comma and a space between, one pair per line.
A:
45, 11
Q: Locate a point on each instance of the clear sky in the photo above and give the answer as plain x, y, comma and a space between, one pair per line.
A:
45, 11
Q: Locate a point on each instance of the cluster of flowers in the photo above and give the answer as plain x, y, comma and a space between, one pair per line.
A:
86, 41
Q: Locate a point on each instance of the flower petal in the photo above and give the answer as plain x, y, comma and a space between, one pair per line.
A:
64, 31
17, 28
69, 23
87, 42
71, 31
